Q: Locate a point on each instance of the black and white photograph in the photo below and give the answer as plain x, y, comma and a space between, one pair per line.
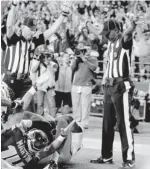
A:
75, 84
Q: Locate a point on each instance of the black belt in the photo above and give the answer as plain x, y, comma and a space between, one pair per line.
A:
49, 88
22, 76
113, 81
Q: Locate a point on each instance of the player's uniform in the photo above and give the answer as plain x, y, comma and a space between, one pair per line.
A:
70, 147
14, 145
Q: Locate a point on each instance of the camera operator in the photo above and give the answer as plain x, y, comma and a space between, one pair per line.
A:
83, 66
44, 65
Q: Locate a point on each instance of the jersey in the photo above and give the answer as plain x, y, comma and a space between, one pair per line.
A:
14, 143
119, 54
14, 148
19, 52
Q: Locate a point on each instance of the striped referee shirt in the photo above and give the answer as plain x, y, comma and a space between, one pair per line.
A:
119, 54
16, 58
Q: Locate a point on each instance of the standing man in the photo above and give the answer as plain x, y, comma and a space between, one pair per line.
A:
83, 68
117, 89
21, 44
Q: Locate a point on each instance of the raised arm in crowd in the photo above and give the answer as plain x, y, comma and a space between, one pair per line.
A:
25, 32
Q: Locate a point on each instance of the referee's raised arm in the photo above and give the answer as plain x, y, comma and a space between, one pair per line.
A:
128, 33
41, 38
11, 20
58, 22
54, 27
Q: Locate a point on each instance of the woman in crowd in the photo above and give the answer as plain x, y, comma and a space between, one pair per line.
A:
64, 84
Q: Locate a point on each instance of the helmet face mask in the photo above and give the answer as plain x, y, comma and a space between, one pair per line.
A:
36, 140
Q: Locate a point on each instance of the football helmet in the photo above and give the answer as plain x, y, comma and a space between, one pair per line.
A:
37, 140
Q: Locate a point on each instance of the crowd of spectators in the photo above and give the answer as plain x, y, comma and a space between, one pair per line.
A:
46, 12
73, 31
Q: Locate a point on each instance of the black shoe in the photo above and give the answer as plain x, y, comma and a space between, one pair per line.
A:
128, 165
135, 130
52, 165
102, 160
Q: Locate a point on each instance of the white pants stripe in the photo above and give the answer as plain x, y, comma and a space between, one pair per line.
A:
127, 124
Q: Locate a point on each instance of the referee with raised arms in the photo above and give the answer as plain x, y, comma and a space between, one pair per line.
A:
117, 91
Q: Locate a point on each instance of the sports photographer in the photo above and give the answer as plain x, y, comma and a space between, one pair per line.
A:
43, 65
83, 66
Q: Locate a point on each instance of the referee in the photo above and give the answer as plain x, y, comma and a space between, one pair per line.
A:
21, 44
117, 89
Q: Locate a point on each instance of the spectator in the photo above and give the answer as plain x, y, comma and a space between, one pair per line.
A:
44, 66
62, 43
141, 39
70, 33
64, 84
81, 7
83, 67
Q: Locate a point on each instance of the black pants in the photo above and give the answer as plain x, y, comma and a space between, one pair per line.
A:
117, 107
63, 97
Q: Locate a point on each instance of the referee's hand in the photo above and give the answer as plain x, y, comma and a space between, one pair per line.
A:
66, 7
